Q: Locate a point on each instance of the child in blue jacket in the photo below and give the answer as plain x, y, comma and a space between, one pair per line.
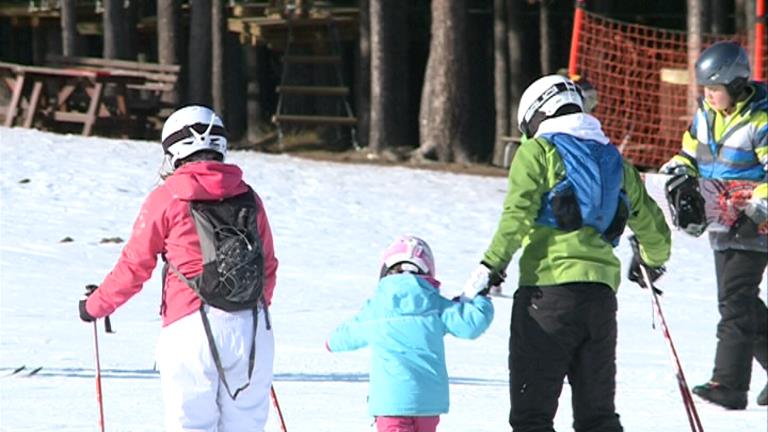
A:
404, 324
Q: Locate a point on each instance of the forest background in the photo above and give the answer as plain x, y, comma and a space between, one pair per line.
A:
475, 57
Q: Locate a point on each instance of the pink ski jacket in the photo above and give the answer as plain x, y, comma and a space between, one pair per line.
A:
165, 225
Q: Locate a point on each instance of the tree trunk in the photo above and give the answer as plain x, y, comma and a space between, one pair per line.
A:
500, 79
128, 36
518, 78
545, 41
749, 22
167, 41
445, 101
389, 74
218, 58
694, 48
112, 20
363, 79
705, 15
480, 60
69, 27
235, 87
740, 16
199, 76
719, 17
255, 58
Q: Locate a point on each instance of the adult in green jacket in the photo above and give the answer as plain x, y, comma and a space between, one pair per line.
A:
570, 195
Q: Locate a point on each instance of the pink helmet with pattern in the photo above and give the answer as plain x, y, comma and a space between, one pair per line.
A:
409, 250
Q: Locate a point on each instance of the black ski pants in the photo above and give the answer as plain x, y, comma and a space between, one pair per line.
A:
742, 332
563, 331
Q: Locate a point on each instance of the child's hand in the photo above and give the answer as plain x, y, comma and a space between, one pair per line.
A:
477, 282
481, 280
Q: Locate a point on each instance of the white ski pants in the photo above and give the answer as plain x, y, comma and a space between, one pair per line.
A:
195, 398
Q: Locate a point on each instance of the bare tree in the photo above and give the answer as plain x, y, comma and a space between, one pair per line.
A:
389, 74
128, 36
719, 16
518, 76
167, 39
443, 122
363, 78
545, 39
745, 24
199, 72
500, 79
255, 60
69, 27
112, 21
218, 48
694, 48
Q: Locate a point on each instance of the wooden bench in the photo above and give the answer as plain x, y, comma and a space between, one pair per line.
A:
146, 99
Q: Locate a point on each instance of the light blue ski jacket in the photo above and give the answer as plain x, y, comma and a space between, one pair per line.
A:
404, 324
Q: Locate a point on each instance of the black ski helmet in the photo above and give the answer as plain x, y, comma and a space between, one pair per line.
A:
725, 63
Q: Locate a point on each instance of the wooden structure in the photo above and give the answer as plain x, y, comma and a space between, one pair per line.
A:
310, 30
65, 95
88, 91
145, 99
312, 91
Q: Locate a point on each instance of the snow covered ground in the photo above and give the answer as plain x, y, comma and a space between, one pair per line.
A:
330, 223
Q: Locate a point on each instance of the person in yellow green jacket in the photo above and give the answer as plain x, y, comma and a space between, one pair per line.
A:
570, 195
728, 139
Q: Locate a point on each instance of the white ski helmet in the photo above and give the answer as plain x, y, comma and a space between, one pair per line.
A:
408, 249
191, 129
543, 98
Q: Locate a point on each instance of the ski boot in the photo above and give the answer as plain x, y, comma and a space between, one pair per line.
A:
718, 394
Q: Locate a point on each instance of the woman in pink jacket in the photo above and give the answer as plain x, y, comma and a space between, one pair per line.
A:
196, 396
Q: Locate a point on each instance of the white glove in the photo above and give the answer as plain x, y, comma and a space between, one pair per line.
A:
478, 281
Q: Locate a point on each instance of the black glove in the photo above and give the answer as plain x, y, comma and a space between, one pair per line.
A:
84, 315
686, 204
635, 274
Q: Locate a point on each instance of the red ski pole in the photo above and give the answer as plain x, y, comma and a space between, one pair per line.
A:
690, 407
273, 395
98, 377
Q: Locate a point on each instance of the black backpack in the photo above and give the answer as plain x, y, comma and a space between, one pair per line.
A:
233, 264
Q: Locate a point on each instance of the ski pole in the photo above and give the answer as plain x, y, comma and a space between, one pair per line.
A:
690, 407
98, 377
273, 395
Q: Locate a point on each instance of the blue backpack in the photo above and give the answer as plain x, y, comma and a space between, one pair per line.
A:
591, 193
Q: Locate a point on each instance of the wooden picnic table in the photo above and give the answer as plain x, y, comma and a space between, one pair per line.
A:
52, 93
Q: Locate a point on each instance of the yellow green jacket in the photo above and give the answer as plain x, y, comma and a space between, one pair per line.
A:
551, 256
731, 147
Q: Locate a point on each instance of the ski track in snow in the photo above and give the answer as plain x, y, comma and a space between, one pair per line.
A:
330, 222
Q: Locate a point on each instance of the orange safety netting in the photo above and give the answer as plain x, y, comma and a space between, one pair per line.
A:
637, 73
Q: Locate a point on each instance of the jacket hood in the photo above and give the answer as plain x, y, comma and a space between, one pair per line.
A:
206, 180
406, 294
579, 125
